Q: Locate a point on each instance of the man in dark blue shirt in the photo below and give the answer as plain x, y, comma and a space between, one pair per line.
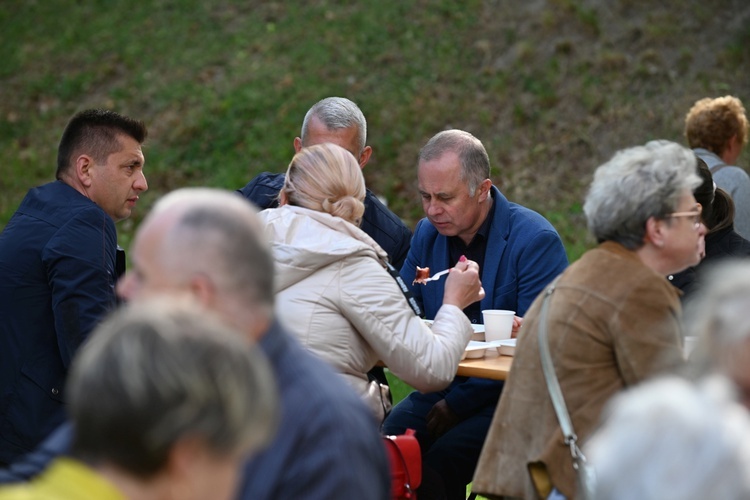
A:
58, 262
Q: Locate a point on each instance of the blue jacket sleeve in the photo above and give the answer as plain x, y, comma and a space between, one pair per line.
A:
263, 190
33, 463
80, 261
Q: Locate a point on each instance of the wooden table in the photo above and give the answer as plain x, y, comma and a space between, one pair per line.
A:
491, 366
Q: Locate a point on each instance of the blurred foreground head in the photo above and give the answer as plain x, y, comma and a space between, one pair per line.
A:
206, 244
718, 317
671, 439
170, 399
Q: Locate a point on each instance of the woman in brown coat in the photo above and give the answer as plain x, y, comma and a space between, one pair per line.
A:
613, 320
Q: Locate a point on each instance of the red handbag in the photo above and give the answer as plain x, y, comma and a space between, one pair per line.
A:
405, 458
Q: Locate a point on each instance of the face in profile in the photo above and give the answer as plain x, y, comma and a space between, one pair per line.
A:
684, 235
117, 183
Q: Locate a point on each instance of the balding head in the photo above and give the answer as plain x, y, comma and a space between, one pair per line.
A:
207, 243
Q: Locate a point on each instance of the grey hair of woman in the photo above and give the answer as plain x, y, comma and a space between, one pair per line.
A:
475, 163
718, 314
636, 184
672, 439
154, 374
337, 113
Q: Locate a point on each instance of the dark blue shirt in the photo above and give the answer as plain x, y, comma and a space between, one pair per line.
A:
57, 276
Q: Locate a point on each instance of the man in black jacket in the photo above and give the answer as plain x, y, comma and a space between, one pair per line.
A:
339, 121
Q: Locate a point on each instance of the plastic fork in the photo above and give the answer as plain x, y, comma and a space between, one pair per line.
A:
436, 276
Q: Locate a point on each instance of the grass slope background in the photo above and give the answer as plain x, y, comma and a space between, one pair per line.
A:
551, 87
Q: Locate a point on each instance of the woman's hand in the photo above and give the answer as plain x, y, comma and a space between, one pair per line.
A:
517, 322
463, 286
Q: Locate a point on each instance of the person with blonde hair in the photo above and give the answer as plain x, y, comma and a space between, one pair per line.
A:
717, 130
333, 287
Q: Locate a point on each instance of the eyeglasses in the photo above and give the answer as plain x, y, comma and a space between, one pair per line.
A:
693, 214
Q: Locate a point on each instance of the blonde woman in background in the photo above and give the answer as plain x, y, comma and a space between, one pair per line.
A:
333, 289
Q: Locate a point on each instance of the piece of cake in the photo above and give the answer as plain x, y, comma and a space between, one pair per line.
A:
423, 273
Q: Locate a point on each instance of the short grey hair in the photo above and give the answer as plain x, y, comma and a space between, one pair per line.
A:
475, 163
154, 374
671, 439
636, 184
219, 234
337, 113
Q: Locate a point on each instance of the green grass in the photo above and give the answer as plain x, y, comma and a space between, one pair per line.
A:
224, 85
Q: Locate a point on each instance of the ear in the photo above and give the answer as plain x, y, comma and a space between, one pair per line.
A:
297, 144
484, 190
203, 290
183, 457
84, 165
365, 156
283, 200
655, 232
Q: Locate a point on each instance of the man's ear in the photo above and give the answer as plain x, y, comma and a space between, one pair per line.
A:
203, 290
297, 144
484, 190
83, 167
364, 157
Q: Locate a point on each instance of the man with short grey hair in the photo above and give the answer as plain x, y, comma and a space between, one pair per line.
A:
207, 245
339, 121
518, 252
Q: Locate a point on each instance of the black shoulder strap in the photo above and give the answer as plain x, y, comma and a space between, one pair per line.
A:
404, 289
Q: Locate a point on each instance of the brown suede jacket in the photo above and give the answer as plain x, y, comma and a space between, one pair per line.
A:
612, 323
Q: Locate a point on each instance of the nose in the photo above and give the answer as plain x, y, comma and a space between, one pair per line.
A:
140, 183
432, 208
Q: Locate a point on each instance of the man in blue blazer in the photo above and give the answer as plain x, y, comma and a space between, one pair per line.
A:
518, 252
58, 263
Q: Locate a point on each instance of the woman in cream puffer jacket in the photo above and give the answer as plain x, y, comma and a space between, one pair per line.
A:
333, 290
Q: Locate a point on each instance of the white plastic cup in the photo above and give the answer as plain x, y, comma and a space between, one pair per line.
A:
498, 324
